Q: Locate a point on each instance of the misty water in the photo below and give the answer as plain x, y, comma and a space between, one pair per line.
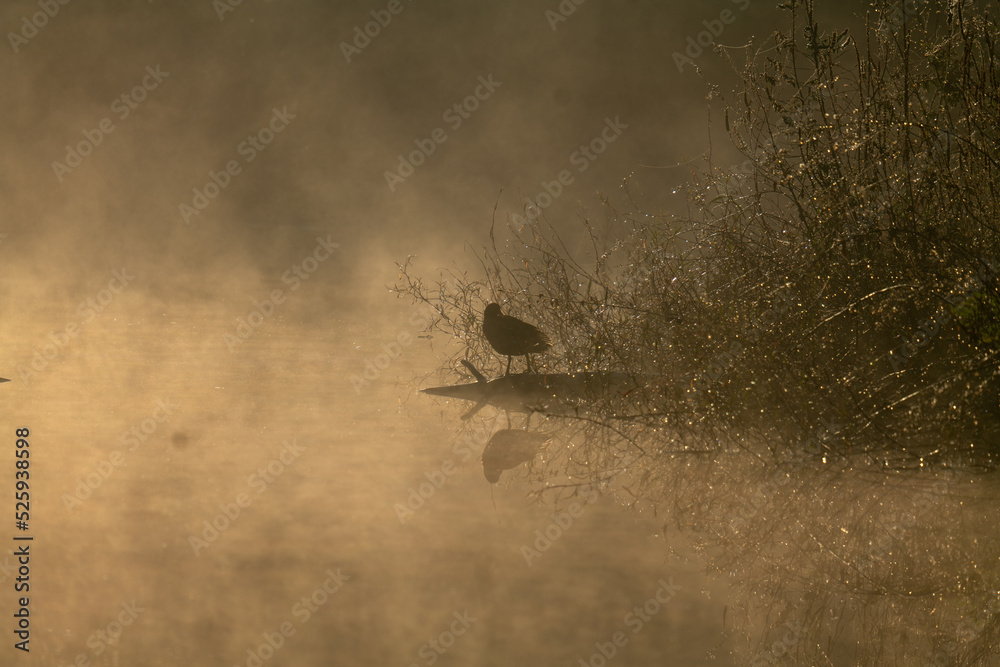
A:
329, 507
221, 218
333, 507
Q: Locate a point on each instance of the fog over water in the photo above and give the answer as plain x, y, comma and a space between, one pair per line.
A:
230, 462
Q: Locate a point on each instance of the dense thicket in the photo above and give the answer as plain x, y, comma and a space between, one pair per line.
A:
824, 322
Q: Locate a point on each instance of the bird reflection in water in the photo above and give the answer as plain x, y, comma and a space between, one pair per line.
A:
509, 448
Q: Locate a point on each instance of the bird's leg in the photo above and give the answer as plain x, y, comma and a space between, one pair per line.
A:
508, 365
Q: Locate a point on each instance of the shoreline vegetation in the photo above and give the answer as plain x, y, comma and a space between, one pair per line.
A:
825, 321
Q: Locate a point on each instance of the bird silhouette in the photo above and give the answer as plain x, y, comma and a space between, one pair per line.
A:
510, 336
509, 448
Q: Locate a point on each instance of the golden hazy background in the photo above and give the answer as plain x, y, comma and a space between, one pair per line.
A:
121, 317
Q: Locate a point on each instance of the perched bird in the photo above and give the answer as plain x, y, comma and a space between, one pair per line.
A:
509, 335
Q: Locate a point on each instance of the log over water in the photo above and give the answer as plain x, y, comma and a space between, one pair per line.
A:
568, 394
